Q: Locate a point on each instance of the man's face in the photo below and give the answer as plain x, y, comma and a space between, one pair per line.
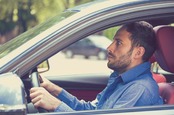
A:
120, 52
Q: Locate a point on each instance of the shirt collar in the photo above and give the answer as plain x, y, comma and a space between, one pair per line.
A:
135, 72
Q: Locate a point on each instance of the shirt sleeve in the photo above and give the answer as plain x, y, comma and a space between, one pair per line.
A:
63, 108
135, 95
73, 103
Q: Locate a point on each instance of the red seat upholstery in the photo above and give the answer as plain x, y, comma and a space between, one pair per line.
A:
164, 53
152, 59
167, 92
159, 78
164, 56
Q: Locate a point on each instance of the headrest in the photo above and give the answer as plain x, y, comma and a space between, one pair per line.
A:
152, 59
165, 47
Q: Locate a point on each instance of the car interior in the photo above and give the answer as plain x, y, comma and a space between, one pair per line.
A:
164, 56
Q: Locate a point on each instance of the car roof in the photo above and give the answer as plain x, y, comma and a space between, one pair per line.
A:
98, 5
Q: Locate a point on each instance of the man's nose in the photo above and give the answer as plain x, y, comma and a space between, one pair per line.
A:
109, 48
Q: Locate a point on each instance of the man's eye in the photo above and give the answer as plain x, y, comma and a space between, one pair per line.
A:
118, 43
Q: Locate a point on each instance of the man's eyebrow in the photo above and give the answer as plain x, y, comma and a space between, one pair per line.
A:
117, 39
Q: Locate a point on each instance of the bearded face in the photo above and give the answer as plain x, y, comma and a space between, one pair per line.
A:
120, 52
119, 63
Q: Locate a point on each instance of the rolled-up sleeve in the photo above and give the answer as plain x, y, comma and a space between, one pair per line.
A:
73, 103
63, 108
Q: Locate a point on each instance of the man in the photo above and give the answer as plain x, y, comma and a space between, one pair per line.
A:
131, 84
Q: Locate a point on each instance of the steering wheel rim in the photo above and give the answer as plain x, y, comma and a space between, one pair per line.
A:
35, 82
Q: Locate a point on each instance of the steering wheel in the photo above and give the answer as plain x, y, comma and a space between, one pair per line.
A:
35, 82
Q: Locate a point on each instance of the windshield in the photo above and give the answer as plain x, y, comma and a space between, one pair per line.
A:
23, 38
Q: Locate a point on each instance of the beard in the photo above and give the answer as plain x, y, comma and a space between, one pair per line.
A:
121, 63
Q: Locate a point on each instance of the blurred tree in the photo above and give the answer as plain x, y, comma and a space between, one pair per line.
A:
109, 33
44, 9
17, 16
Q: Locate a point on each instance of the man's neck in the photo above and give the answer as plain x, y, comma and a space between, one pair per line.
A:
131, 65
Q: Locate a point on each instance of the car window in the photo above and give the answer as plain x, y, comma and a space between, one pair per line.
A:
157, 69
79, 59
84, 59
31, 34
88, 42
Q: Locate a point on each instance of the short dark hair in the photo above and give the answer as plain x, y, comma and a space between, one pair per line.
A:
142, 34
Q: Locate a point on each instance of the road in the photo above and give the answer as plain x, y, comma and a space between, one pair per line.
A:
59, 65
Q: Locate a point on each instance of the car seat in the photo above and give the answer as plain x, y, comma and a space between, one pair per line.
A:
159, 78
166, 91
164, 56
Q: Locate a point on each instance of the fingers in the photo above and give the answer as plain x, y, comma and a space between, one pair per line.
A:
37, 102
45, 85
40, 79
44, 82
43, 79
36, 99
41, 98
36, 95
34, 92
34, 89
50, 87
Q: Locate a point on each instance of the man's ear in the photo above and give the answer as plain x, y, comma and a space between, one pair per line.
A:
139, 52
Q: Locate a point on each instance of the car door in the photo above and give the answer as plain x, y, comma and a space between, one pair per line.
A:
87, 90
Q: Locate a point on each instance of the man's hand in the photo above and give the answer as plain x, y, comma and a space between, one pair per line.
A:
50, 87
42, 98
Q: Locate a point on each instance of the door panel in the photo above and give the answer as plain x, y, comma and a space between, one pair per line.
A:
83, 87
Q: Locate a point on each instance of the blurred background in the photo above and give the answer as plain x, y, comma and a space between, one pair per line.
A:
17, 16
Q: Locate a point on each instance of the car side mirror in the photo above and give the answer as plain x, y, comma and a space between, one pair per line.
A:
12, 95
43, 67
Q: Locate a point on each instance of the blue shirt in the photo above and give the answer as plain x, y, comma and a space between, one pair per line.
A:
135, 87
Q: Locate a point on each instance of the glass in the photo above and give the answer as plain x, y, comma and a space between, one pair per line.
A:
23, 38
